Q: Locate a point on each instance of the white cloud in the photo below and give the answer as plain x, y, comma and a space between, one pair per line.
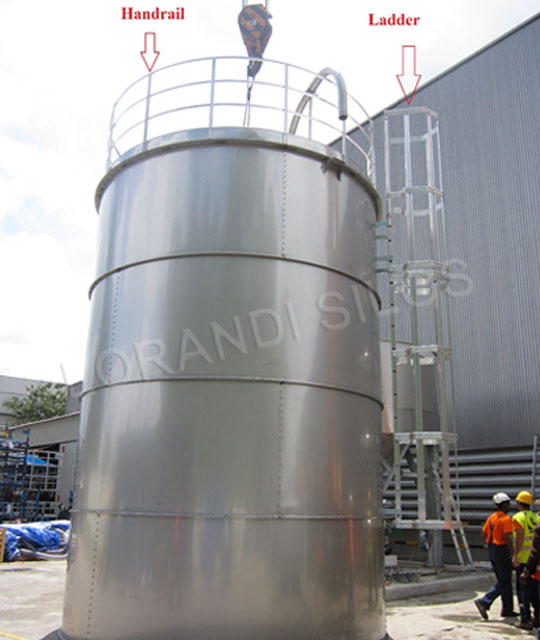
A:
10, 196
44, 308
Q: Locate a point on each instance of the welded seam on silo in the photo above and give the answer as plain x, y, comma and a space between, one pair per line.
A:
369, 519
281, 389
280, 451
114, 319
92, 587
284, 205
254, 379
236, 254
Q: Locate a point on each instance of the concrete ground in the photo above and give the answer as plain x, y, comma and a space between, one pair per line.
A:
31, 596
448, 616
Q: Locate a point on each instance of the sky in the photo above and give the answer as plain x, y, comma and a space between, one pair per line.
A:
63, 63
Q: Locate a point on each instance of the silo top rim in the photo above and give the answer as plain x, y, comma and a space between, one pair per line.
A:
240, 137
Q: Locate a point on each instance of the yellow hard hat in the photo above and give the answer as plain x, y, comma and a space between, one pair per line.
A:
525, 497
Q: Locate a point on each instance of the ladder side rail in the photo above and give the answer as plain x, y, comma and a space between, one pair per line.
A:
392, 305
465, 544
452, 379
457, 547
412, 283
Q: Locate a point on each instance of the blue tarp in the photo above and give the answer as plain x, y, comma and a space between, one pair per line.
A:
34, 460
37, 536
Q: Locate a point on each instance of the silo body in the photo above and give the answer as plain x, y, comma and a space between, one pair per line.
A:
229, 481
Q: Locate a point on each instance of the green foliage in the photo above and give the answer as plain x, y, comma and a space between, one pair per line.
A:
43, 401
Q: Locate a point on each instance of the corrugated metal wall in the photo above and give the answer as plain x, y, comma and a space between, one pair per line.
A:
481, 475
489, 110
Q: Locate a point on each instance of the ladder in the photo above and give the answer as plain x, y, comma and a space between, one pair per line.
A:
418, 309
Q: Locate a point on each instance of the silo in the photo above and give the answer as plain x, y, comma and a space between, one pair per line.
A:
228, 483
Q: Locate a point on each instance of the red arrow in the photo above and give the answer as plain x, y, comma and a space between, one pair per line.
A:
408, 78
150, 56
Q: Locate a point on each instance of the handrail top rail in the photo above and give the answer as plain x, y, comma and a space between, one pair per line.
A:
290, 65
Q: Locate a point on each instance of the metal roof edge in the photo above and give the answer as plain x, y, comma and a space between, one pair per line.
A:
25, 425
440, 75
518, 27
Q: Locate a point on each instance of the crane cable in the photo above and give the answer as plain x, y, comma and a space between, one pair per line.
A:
247, 110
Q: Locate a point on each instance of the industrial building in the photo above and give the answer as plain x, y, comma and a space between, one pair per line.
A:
40, 468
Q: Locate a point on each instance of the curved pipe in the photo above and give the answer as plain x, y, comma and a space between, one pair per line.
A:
342, 96
43, 555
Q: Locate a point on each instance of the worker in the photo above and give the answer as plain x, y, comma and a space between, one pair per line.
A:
525, 522
497, 532
531, 568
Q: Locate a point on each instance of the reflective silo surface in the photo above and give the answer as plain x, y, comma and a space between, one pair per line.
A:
228, 481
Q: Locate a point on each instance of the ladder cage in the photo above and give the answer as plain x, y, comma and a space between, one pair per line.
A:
413, 262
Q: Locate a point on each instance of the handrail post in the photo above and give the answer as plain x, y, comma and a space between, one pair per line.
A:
212, 94
286, 100
371, 165
147, 112
110, 140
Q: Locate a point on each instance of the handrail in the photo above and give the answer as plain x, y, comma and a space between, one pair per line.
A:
310, 91
207, 93
199, 83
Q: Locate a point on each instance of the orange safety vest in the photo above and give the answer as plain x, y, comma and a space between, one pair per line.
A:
496, 526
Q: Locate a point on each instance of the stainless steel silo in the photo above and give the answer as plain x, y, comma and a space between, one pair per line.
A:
228, 482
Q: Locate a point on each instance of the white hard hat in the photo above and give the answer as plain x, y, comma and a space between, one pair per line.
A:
501, 497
